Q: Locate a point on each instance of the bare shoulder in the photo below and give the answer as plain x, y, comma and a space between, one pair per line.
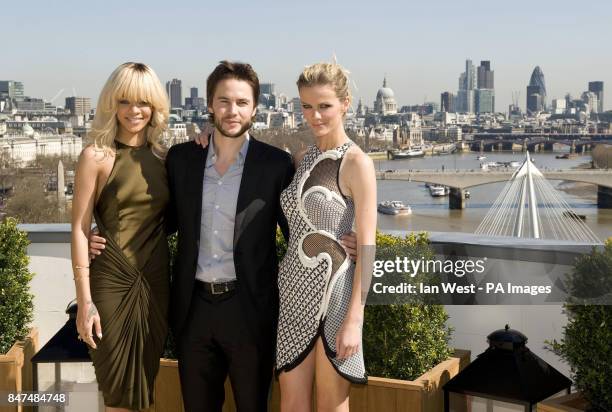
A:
94, 163
356, 170
356, 159
90, 155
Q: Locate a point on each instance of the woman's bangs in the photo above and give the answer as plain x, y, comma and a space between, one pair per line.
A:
135, 87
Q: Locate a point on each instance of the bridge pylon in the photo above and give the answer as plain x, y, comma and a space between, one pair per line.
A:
456, 198
530, 207
604, 197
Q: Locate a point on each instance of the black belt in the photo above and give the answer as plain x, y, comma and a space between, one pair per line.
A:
216, 288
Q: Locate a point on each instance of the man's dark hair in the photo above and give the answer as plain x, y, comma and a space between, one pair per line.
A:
232, 70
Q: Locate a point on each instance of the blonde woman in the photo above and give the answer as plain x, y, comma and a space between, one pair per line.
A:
321, 305
121, 181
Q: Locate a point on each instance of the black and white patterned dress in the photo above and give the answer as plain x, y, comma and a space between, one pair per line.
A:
316, 275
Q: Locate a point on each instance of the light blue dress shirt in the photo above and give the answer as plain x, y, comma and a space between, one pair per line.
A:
219, 198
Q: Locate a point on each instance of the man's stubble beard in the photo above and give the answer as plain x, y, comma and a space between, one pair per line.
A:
242, 130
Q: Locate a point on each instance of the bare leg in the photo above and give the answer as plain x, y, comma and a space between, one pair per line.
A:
296, 386
332, 389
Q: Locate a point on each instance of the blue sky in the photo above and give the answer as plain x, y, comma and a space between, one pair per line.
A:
74, 45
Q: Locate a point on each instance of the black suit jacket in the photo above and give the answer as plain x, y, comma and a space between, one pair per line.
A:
267, 171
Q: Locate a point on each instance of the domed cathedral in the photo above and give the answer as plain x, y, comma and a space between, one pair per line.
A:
385, 100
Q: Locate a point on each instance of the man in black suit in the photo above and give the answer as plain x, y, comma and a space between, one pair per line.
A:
225, 205
224, 301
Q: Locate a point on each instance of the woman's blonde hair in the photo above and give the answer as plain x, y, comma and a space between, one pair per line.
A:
320, 74
135, 82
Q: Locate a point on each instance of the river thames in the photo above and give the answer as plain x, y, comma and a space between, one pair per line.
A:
432, 213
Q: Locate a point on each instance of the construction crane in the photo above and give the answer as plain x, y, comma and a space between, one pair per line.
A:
58, 94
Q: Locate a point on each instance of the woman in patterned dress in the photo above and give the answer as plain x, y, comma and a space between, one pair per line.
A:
320, 288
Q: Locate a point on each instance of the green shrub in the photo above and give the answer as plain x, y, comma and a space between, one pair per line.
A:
587, 338
16, 306
403, 341
281, 245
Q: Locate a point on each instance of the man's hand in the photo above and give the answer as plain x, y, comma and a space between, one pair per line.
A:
202, 138
349, 242
96, 244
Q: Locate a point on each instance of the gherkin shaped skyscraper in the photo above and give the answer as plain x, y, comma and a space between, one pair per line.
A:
536, 92
537, 79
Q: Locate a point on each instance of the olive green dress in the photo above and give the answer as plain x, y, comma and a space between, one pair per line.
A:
129, 280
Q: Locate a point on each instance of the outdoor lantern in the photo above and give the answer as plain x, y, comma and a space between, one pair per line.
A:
508, 372
63, 365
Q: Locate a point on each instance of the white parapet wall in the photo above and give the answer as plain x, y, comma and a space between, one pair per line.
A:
52, 286
53, 289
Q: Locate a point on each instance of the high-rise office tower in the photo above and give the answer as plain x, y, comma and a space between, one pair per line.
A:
464, 103
447, 102
467, 84
535, 100
484, 101
267, 88
296, 105
193, 102
470, 76
536, 92
175, 92
461, 81
78, 105
267, 95
485, 75
590, 99
12, 88
484, 97
598, 88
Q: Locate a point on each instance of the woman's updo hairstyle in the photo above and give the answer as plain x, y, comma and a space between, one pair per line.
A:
321, 74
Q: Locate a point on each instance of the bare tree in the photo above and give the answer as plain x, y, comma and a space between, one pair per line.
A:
30, 204
295, 140
49, 163
602, 156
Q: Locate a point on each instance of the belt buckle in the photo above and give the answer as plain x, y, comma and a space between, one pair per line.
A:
213, 290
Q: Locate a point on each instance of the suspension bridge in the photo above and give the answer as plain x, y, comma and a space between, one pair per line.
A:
530, 207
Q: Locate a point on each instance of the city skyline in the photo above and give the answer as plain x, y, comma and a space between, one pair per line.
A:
420, 49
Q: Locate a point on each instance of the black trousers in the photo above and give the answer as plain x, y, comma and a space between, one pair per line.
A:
216, 342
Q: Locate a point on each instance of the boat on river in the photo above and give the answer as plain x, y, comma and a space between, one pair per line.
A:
438, 190
406, 153
394, 207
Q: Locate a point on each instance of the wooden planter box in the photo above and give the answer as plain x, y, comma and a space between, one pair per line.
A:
573, 402
424, 394
16, 368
